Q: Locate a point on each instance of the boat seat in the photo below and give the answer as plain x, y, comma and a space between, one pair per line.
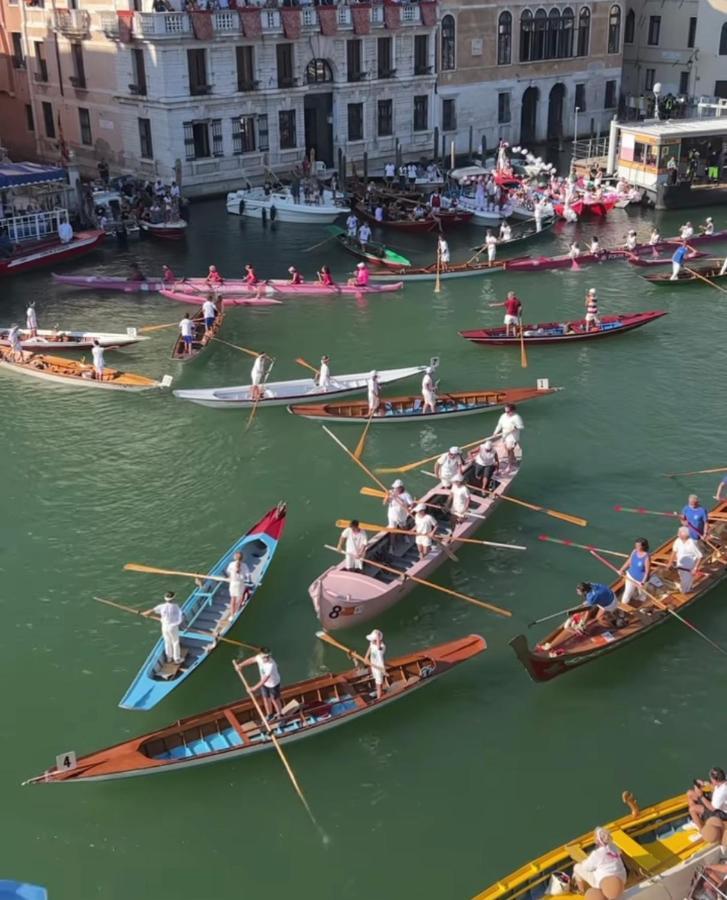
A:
636, 852
576, 853
218, 742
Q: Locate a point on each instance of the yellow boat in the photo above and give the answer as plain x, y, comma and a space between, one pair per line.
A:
660, 847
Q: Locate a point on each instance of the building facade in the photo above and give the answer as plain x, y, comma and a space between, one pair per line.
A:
517, 71
17, 119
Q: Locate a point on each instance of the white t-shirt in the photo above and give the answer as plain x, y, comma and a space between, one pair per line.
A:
374, 390
355, 541
258, 370
390, 170
364, 233
398, 507
602, 862
376, 658
719, 797
412, 171
449, 466
460, 498
324, 376
97, 355
185, 326
268, 671
65, 232
209, 310
236, 574
509, 424
687, 553
424, 523
428, 385
486, 457
169, 613
31, 319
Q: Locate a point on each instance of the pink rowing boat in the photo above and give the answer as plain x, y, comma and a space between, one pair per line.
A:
562, 262
239, 290
198, 298
109, 283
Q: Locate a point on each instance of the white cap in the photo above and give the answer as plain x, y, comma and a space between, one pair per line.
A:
488, 445
420, 507
361, 265
375, 635
457, 478
454, 450
591, 290
708, 219
291, 269
429, 370
398, 483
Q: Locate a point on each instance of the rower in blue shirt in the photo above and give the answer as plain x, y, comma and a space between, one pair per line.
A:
600, 602
636, 571
677, 260
696, 518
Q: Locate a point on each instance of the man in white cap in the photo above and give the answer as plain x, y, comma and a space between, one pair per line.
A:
324, 374
509, 426
257, 376
686, 557
429, 392
374, 395
375, 659
31, 320
399, 503
356, 541
239, 576
487, 463
98, 360
170, 615
708, 227
269, 683
425, 527
364, 235
448, 465
592, 320
460, 500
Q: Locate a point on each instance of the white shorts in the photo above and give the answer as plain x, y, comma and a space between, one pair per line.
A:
459, 511
491, 252
592, 317
423, 540
429, 398
237, 589
378, 675
512, 320
354, 562
396, 519
510, 442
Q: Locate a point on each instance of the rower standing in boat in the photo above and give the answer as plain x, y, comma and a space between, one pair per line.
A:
324, 374
574, 251
257, 376
295, 276
374, 393
593, 323
486, 462
356, 541
460, 500
509, 426
429, 392
491, 246
538, 210
696, 518
239, 576
677, 260
98, 360
686, 558
352, 226
209, 313
375, 659
269, 683
654, 239
171, 618
399, 504
595, 246
443, 251
708, 228
513, 313
186, 329
31, 320
364, 235
636, 571
448, 465
16, 348
631, 241
505, 232
213, 276
425, 527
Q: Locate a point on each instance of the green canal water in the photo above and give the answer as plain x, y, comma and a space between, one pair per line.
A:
436, 796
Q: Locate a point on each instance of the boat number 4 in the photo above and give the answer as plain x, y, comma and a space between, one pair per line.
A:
66, 761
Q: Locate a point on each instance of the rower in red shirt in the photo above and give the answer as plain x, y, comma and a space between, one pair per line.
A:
513, 313
325, 277
295, 276
362, 275
213, 276
168, 277
250, 275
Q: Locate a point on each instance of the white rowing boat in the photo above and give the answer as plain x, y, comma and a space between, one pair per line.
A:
56, 340
300, 390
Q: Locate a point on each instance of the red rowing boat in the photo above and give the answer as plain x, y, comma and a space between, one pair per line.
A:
48, 253
599, 208
563, 332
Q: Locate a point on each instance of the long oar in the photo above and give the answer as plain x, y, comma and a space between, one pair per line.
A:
306, 365
665, 607
156, 327
153, 570
431, 584
639, 510
561, 612
196, 632
589, 547
235, 347
565, 517
420, 462
375, 492
357, 461
276, 744
437, 283
320, 244
358, 452
705, 280
260, 395
700, 472
523, 354
367, 526
326, 638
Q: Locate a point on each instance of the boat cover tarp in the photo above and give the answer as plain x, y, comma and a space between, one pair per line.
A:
22, 174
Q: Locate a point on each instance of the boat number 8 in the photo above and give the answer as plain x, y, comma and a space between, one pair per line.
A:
335, 612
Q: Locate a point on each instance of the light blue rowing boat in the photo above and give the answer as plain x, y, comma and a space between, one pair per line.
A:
20, 890
207, 609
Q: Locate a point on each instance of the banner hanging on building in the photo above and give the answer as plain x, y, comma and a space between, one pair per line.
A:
202, 25
392, 15
125, 18
251, 24
328, 19
429, 12
361, 18
291, 22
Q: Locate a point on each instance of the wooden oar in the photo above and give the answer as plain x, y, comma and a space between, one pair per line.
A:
235, 347
357, 461
565, 517
665, 607
156, 327
561, 612
639, 510
420, 462
523, 354
152, 570
368, 526
326, 638
306, 365
700, 472
260, 395
320, 244
431, 584
278, 748
705, 280
437, 284
209, 634
358, 452
589, 547
375, 492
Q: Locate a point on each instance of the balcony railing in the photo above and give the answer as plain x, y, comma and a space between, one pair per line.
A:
72, 22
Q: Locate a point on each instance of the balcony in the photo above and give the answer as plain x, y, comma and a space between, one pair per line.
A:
244, 87
137, 90
78, 82
200, 90
422, 70
72, 23
386, 73
353, 77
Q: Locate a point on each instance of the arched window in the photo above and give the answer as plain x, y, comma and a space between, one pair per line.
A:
723, 41
318, 71
584, 31
565, 38
614, 29
504, 39
527, 33
630, 27
551, 39
541, 26
447, 43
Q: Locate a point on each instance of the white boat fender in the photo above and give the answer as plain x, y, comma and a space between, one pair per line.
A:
166, 381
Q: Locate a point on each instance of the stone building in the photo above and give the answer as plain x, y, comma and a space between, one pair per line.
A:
17, 118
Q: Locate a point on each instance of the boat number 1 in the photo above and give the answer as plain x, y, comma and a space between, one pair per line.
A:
66, 761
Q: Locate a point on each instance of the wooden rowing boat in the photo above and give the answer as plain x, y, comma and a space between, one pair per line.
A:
409, 409
645, 261
452, 270
51, 252
53, 339
710, 272
167, 231
77, 374
373, 252
197, 298
207, 609
300, 390
660, 848
234, 730
200, 338
344, 599
445, 219
543, 665
563, 332
114, 283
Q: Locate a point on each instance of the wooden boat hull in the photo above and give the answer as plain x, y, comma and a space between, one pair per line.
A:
201, 340
344, 599
543, 667
110, 283
300, 390
197, 299
50, 254
386, 257
231, 731
710, 272
647, 261
563, 262
660, 850
610, 326
429, 273
165, 231
446, 219
69, 372
207, 610
71, 340
408, 409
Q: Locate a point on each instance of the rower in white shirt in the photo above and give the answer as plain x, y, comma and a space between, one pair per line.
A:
448, 465
425, 527
686, 557
509, 426
239, 576
364, 234
399, 503
429, 392
16, 348
375, 658
31, 320
374, 392
505, 232
491, 245
708, 227
352, 225
171, 617
324, 374
355, 540
687, 231
443, 250
209, 312
631, 240
186, 328
98, 360
460, 500
486, 463
269, 683
257, 376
